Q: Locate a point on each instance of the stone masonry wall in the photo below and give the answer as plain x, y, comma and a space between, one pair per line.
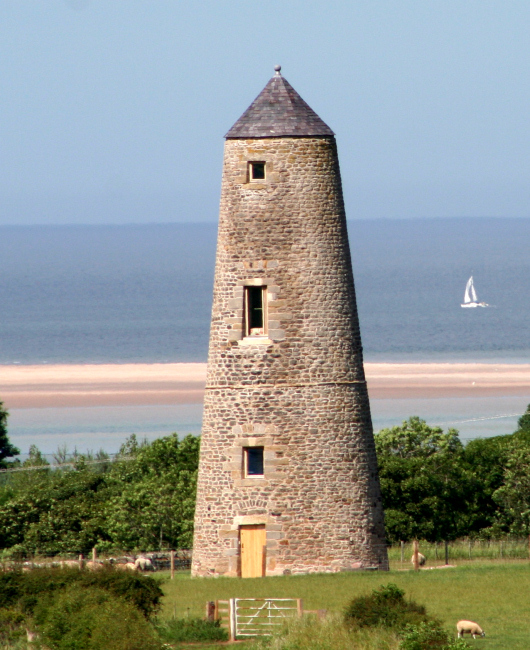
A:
299, 390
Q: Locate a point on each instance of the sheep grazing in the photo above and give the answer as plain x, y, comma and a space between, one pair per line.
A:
421, 559
69, 564
474, 629
130, 566
94, 566
144, 564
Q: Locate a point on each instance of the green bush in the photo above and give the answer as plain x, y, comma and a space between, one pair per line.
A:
92, 618
11, 625
192, 629
429, 636
27, 589
143, 592
10, 587
384, 607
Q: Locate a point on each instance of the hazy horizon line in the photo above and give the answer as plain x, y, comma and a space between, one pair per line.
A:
215, 221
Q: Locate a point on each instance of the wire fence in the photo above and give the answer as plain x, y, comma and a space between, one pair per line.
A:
170, 560
461, 550
72, 463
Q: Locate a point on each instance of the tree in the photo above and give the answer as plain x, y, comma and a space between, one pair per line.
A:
7, 450
155, 504
423, 483
145, 499
524, 420
514, 494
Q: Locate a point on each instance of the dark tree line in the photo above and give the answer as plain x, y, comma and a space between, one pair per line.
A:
433, 487
144, 499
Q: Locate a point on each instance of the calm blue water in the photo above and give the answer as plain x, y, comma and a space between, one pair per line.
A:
94, 294
142, 293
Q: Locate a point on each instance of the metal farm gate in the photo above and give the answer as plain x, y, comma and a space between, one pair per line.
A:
253, 616
261, 616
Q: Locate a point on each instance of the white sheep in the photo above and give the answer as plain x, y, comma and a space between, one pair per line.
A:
144, 563
468, 626
69, 564
421, 559
129, 566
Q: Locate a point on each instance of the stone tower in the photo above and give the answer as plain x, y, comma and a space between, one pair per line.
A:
288, 477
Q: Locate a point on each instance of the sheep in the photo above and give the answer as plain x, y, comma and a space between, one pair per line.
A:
130, 566
421, 559
144, 563
94, 566
69, 564
468, 626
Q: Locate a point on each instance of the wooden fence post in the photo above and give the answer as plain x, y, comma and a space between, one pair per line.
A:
415, 556
402, 551
172, 560
94, 554
81, 561
210, 611
299, 607
446, 552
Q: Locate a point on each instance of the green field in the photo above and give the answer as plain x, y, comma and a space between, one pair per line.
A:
495, 595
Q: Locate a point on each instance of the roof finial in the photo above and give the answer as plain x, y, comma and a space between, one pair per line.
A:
278, 68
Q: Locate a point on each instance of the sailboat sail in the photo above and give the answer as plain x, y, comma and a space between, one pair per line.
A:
470, 296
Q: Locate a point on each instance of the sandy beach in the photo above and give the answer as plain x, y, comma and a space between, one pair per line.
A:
183, 383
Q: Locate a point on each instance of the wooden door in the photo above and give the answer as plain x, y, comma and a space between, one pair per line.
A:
252, 540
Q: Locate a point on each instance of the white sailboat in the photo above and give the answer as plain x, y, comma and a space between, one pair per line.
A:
470, 296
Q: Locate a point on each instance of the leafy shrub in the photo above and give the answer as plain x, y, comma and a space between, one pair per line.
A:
143, 592
384, 607
91, 618
429, 636
11, 625
10, 587
27, 589
192, 629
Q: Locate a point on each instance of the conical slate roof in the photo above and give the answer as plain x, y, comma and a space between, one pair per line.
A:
279, 111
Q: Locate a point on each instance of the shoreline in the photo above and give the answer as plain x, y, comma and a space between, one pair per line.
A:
138, 384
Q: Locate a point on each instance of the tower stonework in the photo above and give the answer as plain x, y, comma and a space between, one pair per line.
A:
288, 477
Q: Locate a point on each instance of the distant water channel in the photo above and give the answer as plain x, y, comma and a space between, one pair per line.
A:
142, 293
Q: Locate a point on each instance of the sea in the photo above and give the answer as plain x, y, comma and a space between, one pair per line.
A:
79, 294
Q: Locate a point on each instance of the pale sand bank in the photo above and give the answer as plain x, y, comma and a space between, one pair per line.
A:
131, 384
183, 383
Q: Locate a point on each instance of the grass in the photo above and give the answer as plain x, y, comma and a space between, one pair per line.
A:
496, 595
328, 634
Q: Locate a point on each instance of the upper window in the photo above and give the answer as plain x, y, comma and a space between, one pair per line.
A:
253, 461
255, 317
256, 171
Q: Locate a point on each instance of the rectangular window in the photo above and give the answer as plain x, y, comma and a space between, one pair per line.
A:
256, 171
255, 305
253, 461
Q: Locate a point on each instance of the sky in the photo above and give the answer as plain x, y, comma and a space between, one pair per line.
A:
114, 111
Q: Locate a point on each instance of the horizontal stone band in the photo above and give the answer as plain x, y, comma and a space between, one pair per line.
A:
278, 385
